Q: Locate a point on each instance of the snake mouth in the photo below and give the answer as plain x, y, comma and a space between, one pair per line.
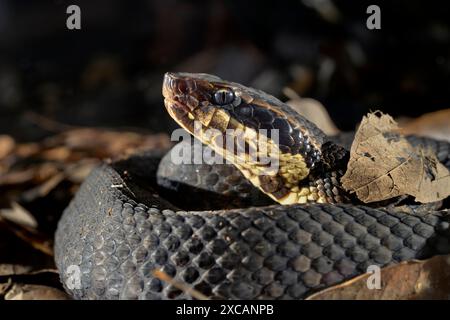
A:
175, 108
169, 87
180, 113
179, 100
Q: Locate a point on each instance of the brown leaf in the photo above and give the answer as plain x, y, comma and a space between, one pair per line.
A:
19, 215
56, 154
409, 280
7, 145
315, 112
27, 149
25, 273
434, 125
45, 171
384, 165
13, 269
34, 292
43, 189
4, 287
17, 177
104, 143
79, 171
21, 282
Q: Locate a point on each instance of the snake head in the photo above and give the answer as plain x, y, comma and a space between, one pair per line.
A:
200, 97
220, 105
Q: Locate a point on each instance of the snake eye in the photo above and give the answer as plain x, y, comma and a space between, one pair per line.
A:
223, 97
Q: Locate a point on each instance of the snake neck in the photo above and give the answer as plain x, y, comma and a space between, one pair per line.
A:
325, 178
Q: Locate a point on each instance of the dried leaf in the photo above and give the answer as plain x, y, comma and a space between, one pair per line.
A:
434, 125
4, 287
19, 215
17, 177
409, 280
21, 282
43, 189
384, 165
7, 145
56, 154
35, 292
13, 269
27, 149
104, 143
79, 171
315, 112
25, 273
45, 171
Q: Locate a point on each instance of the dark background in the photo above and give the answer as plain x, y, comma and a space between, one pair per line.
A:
109, 73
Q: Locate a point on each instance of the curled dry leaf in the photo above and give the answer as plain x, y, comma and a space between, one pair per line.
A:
384, 165
409, 280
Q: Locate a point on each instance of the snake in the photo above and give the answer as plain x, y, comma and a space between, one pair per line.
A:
271, 221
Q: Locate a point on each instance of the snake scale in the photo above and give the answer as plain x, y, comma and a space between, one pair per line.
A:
305, 235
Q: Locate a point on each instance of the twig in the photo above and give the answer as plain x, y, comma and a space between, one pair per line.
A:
183, 287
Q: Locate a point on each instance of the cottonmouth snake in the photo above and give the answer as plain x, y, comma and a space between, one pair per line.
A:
120, 227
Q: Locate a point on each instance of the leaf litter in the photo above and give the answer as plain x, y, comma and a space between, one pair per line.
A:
408, 280
384, 165
312, 110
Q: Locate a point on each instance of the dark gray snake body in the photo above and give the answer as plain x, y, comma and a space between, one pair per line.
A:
118, 230
120, 227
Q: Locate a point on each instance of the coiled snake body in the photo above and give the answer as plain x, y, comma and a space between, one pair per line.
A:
120, 227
